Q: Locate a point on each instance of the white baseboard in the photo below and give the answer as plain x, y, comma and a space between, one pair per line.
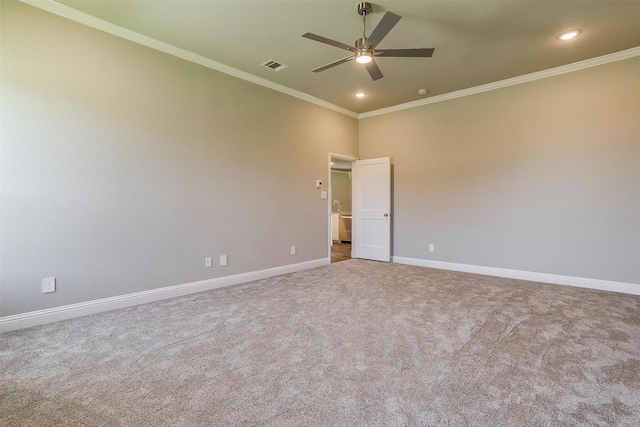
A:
556, 279
40, 317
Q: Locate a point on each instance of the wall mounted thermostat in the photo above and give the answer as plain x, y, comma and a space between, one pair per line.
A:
318, 183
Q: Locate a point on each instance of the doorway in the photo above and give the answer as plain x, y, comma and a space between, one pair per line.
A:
340, 197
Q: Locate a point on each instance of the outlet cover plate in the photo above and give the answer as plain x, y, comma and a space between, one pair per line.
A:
48, 285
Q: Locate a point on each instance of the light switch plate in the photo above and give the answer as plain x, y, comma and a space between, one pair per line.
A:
323, 195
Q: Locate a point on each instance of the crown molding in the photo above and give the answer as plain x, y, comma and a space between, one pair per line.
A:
107, 27
551, 72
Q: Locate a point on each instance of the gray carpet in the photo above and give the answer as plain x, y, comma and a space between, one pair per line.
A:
355, 343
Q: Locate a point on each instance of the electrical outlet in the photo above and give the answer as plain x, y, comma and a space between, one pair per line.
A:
223, 260
207, 262
48, 285
432, 247
293, 250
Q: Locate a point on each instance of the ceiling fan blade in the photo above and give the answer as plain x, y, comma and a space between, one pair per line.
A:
374, 70
388, 21
333, 64
421, 52
330, 42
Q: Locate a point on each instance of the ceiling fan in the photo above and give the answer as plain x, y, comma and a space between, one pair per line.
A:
365, 48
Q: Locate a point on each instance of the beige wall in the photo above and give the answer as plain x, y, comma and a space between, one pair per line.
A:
123, 168
541, 177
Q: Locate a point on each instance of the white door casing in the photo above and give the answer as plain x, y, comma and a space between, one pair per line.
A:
371, 192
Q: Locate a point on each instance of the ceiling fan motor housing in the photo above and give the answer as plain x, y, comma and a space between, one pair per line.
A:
363, 53
362, 44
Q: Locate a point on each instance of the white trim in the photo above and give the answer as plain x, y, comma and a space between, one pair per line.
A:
551, 72
108, 27
556, 279
40, 317
99, 24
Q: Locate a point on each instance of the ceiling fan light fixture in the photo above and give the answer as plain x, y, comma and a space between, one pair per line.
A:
363, 57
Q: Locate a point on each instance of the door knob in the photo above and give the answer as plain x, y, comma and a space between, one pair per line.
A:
386, 215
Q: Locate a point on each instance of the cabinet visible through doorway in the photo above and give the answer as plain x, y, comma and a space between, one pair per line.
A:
341, 227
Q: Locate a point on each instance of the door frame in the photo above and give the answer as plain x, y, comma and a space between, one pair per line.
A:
330, 197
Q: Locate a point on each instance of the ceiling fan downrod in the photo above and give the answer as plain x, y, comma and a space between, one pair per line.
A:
363, 55
364, 9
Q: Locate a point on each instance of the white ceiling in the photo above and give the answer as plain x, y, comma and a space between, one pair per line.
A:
476, 42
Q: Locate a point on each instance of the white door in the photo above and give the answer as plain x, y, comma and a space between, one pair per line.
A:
371, 188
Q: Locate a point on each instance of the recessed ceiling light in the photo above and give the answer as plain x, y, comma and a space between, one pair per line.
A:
360, 95
568, 35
